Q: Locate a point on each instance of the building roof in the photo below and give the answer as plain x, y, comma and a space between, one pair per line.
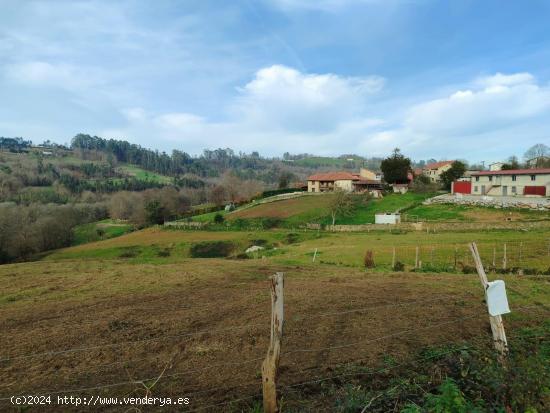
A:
334, 176
437, 165
514, 172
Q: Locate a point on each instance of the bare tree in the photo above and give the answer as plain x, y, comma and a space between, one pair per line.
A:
217, 195
232, 185
537, 154
341, 205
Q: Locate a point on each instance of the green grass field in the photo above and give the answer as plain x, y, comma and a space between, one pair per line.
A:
297, 212
100, 230
438, 252
144, 175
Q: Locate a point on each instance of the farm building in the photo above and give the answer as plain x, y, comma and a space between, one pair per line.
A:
435, 169
346, 181
514, 182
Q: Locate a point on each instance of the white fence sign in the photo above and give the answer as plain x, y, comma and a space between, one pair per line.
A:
497, 302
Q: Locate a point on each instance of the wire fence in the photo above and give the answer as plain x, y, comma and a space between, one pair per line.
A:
167, 371
527, 257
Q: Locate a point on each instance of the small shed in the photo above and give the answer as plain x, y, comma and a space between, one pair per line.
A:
388, 218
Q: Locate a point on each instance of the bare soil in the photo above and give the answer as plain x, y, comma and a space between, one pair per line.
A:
197, 326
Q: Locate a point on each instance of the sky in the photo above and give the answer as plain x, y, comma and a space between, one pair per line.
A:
439, 79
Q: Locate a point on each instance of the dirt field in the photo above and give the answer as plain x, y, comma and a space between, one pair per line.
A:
202, 325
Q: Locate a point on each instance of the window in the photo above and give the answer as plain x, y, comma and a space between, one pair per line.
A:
490, 179
533, 177
513, 177
475, 188
477, 179
514, 190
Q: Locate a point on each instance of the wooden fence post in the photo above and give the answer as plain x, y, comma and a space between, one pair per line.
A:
314, 255
494, 258
504, 258
456, 253
271, 362
497, 327
416, 258
393, 258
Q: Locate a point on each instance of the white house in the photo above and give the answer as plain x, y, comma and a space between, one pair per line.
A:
513, 182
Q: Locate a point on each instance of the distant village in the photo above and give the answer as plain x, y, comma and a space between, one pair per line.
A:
497, 181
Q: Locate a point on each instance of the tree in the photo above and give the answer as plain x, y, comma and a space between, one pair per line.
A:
217, 195
537, 151
284, 179
456, 170
155, 212
396, 168
341, 205
512, 163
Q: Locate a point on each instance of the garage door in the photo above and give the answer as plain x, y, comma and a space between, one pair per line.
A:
535, 190
464, 187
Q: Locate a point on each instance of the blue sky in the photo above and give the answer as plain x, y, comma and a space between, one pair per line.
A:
439, 79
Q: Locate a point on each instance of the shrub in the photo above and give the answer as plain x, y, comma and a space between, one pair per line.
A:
260, 242
165, 252
212, 249
292, 238
369, 259
468, 269
218, 218
399, 266
270, 222
129, 252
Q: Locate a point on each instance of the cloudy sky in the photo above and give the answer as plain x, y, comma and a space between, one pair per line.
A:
439, 79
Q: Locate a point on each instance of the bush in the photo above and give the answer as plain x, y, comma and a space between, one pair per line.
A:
218, 218
129, 252
212, 249
292, 238
164, 252
369, 259
270, 222
399, 266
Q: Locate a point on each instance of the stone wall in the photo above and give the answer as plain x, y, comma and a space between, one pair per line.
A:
534, 203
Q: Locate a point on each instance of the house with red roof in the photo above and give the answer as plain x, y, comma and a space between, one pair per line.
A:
346, 181
435, 169
512, 182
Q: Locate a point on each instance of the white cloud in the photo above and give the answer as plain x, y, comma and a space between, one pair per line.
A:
284, 98
279, 108
496, 102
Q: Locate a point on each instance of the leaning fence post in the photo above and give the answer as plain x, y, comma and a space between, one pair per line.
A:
314, 255
271, 362
497, 327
